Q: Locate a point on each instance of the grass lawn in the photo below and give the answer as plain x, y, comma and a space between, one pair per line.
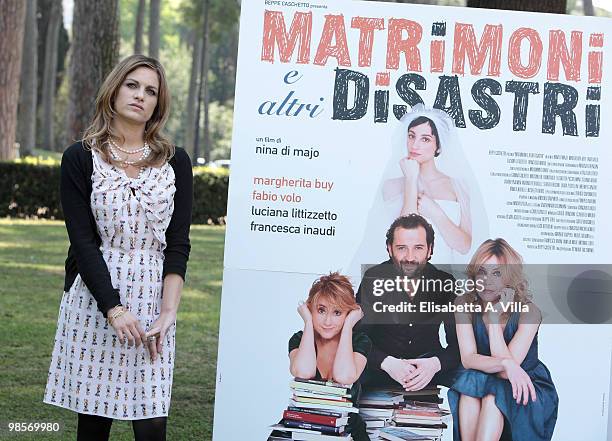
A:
32, 256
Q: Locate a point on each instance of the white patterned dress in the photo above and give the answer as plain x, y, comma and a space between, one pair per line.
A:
91, 372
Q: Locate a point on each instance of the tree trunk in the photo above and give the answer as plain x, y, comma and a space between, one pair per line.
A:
27, 91
95, 49
154, 29
193, 93
555, 6
43, 15
202, 87
44, 10
588, 7
12, 22
50, 74
204, 78
140, 17
232, 65
224, 57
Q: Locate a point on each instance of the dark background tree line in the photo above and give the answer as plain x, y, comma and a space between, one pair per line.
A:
49, 77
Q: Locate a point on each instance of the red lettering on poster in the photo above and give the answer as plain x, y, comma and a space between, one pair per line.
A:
436, 54
595, 62
275, 31
366, 26
333, 29
465, 44
409, 45
558, 53
535, 53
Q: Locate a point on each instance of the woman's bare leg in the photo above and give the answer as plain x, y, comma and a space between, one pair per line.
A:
469, 411
491, 421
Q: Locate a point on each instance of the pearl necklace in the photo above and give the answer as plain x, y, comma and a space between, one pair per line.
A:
146, 150
129, 152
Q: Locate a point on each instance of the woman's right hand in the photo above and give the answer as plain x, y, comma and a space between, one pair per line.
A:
410, 168
522, 386
397, 369
304, 312
353, 317
127, 327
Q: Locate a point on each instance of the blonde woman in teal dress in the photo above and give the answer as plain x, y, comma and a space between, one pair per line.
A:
503, 388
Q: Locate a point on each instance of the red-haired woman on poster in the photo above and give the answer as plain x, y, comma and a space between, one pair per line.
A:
327, 348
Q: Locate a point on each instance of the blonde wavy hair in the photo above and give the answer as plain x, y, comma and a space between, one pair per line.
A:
100, 130
511, 267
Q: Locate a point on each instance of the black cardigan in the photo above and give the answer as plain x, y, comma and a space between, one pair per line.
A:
84, 255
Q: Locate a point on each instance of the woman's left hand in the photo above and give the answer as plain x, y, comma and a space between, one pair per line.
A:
425, 370
506, 297
158, 329
427, 207
353, 317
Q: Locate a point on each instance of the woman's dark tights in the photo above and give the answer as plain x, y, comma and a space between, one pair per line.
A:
97, 428
151, 429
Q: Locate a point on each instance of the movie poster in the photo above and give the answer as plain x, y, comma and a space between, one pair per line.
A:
323, 145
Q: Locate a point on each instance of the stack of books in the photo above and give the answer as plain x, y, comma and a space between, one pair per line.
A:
395, 434
318, 411
376, 407
395, 414
429, 395
421, 418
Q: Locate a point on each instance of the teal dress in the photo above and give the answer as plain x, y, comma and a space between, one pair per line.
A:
533, 422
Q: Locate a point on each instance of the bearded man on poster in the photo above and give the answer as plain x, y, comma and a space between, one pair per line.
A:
399, 303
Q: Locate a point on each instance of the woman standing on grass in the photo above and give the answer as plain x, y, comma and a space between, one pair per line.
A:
126, 193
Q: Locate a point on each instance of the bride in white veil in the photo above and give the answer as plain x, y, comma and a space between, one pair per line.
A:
427, 173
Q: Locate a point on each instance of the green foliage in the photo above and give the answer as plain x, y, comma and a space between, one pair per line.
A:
177, 63
127, 23
41, 157
217, 171
221, 120
576, 8
60, 110
171, 23
600, 12
222, 75
223, 16
210, 186
223, 44
29, 189
172, 26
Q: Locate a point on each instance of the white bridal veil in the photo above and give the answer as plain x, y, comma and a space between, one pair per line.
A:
387, 203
